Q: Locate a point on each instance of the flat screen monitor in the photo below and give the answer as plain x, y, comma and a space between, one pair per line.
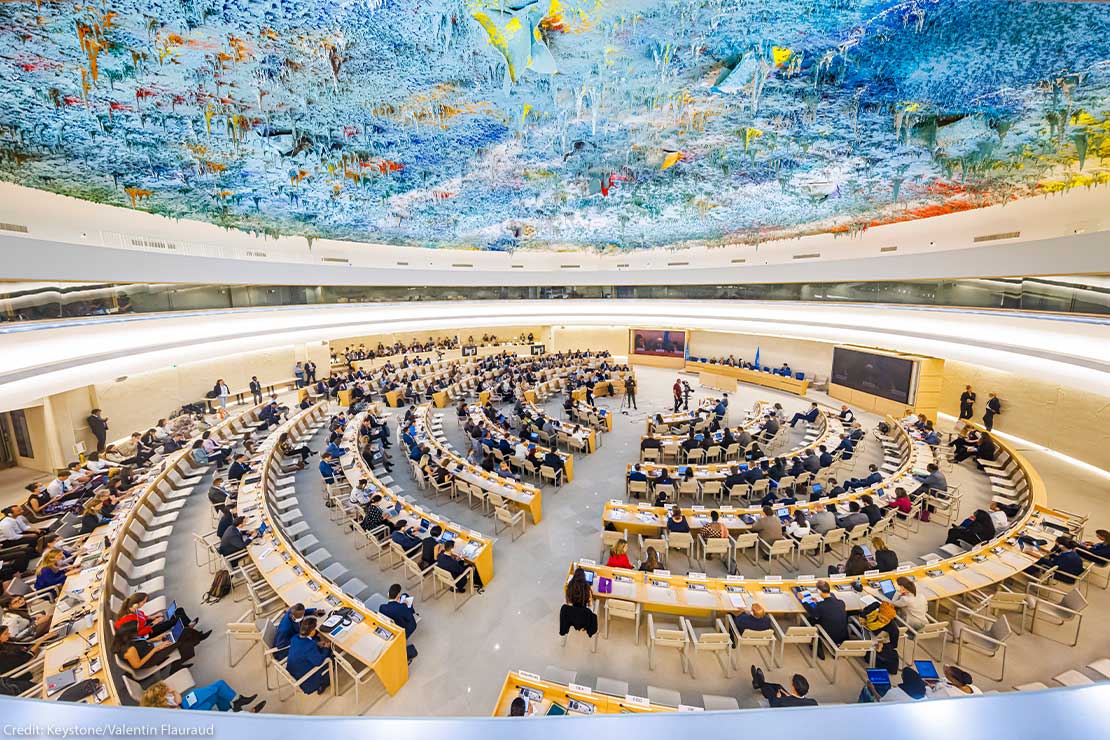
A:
538, 349
880, 375
659, 342
469, 350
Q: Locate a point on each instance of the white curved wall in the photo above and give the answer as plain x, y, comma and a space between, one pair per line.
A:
71, 239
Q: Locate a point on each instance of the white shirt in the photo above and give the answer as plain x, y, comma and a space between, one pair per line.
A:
210, 445
998, 518
98, 465
224, 390
57, 487
915, 608
944, 689
521, 450
359, 496
12, 528
796, 530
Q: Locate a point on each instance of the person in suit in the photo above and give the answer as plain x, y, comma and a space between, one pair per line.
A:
933, 479
402, 614
967, 402
825, 458
870, 509
821, 520
430, 547
830, 614
854, 517
289, 626
456, 566
233, 539
994, 407
327, 468
770, 428
809, 416
780, 696
308, 650
768, 526
256, 390
846, 415
405, 536
754, 619
873, 477
553, 461
98, 425
239, 468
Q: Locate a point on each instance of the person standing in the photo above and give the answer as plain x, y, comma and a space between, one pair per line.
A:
221, 391
677, 389
994, 407
967, 403
630, 392
256, 390
98, 425
310, 371
298, 373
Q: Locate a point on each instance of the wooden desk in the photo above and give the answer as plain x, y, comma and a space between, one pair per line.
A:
482, 560
477, 416
715, 373
374, 642
562, 694
523, 495
393, 398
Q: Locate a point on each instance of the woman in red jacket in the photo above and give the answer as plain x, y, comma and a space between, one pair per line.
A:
901, 502
619, 557
148, 626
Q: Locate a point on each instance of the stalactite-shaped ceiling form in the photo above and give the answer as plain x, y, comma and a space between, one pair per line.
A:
566, 124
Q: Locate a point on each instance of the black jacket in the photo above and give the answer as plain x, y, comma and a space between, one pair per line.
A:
832, 616
577, 617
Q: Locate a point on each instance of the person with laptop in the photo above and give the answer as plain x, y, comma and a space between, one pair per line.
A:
157, 623
399, 609
829, 613
912, 606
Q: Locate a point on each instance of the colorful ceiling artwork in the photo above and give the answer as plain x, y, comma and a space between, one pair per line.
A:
554, 124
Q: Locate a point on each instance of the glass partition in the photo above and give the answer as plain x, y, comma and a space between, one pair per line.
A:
41, 301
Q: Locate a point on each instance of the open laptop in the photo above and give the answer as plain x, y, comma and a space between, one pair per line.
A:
886, 587
171, 611
879, 678
927, 670
60, 681
783, 513
176, 630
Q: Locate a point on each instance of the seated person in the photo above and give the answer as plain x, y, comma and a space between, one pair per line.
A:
978, 529
403, 616
456, 566
755, 619
328, 465
870, 510
618, 558
854, 518
234, 540
575, 612
714, 528
885, 558
405, 536
781, 696
809, 416
830, 613
768, 526
676, 522
856, 565
52, 573
22, 624
239, 468
430, 547
932, 480
873, 477
309, 651
798, 527
1098, 547
218, 695
1064, 557
375, 516
139, 652
901, 502
651, 561
289, 626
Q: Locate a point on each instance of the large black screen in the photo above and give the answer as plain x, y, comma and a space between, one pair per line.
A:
880, 375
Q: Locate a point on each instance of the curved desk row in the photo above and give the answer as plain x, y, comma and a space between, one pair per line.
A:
477, 416
89, 599
372, 643
725, 377
522, 495
553, 698
643, 518
985, 564
473, 547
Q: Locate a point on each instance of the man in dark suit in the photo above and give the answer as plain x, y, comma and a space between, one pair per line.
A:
402, 614
256, 389
809, 416
781, 696
825, 458
233, 539
456, 566
239, 468
967, 403
98, 425
830, 614
636, 474
994, 407
217, 494
553, 461
734, 478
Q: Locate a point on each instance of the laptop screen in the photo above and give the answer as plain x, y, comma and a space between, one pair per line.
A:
171, 610
878, 677
926, 669
887, 587
176, 630
783, 513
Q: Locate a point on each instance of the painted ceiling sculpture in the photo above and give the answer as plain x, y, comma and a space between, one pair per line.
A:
565, 124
